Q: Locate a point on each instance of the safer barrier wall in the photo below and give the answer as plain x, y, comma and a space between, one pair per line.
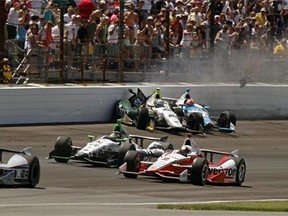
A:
84, 104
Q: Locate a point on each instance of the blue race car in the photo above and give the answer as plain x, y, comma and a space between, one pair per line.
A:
195, 117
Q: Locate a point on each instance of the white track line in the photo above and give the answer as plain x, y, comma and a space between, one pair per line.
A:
135, 204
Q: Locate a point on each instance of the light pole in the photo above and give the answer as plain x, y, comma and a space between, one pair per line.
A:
120, 42
2, 26
61, 4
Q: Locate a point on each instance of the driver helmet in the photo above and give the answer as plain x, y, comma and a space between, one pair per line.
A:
155, 145
158, 103
115, 134
155, 149
185, 150
190, 102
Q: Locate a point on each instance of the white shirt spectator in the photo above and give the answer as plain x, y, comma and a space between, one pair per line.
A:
71, 30
13, 17
113, 32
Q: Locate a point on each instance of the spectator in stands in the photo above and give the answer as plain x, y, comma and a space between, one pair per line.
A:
131, 21
70, 35
12, 20
68, 15
101, 34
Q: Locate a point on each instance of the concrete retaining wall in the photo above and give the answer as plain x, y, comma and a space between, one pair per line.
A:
83, 104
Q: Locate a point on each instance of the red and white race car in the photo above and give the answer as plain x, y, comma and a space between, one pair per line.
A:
198, 168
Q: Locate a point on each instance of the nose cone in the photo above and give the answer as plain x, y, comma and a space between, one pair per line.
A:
82, 154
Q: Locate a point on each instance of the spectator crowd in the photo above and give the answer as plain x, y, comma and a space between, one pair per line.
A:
258, 25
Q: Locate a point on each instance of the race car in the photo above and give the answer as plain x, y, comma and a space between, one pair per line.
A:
196, 117
146, 112
108, 150
128, 109
198, 168
21, 169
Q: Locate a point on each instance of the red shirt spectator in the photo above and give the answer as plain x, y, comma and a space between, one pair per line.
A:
86, 7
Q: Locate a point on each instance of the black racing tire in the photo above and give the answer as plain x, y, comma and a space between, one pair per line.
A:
117, 113
225, 118
34, 171
133, 159
167, 146
241, 170
63, 148
179, 112
199, 171
124, 149
142, 119
194, 121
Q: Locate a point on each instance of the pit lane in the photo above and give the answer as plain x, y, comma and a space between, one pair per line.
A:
77, 188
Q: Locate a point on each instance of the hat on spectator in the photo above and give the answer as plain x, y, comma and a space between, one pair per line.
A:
179, 1
73, 16
150, 18
263, 10
185, 14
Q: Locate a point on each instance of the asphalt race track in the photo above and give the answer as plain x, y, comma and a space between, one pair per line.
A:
81, 189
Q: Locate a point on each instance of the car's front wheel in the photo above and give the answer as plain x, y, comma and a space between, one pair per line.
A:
133, 159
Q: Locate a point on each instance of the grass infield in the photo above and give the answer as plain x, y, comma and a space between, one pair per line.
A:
269, 206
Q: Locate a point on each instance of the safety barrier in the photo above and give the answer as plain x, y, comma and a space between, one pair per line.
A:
88, 104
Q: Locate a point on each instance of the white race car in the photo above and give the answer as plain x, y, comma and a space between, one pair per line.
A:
104, 150
21, 169
158, 112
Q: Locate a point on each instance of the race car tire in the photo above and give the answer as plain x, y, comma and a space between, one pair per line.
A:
132, 158
199, 171
34, 171
225, 118
63, 148
142, 119
179, 112
167, 146
194, 121
241, 170
117, 113
124, 149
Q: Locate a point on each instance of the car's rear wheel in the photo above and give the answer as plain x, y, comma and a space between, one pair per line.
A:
241, 170
34, 171
62, 148
225, 118
179, 112
133, 159
199, 171
194, 121
124, 149
117, 114
142, 119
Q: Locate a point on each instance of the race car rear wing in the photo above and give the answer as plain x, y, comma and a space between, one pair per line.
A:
26, 151
138, 138
208, 154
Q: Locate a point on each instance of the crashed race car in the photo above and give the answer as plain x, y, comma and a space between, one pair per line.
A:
147, 112
21, 169
196, 117
197, 167
128, 109
108, 150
